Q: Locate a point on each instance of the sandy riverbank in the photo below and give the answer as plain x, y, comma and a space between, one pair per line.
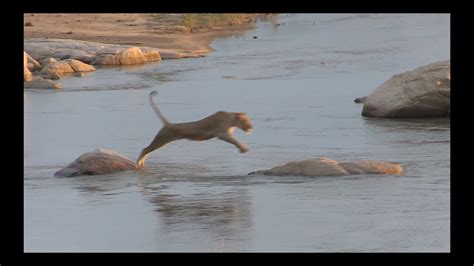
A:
166, 31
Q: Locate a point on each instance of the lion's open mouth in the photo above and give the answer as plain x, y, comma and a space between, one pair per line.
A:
248, 131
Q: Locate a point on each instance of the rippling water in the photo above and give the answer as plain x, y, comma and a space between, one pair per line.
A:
297, 82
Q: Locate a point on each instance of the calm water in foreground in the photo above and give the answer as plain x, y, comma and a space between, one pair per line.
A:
297, 82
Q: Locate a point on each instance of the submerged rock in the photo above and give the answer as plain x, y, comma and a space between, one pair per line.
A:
97, 162
328, 167
422, 92
41, 83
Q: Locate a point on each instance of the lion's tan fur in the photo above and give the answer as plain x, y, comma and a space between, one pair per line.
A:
219, 125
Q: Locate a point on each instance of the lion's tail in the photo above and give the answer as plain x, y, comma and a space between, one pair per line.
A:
155, 108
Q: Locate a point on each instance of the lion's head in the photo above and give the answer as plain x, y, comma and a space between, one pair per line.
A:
243, 122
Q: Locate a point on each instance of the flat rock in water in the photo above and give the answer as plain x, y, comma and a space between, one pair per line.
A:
97, 162
328, 167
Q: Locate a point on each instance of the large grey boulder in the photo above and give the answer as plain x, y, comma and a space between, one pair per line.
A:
97, 162
422, 92
328, 167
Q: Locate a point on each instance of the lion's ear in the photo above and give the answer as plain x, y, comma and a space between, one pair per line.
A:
241, 115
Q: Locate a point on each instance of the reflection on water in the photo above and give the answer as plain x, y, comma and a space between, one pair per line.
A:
297, 81
219, 206
221, 214
440, 124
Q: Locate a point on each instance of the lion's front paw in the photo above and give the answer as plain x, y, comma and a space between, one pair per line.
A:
244, 149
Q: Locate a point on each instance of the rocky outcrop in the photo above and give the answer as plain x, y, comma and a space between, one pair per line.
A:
97, 162
151, 54
106, 59
128, 56
328, 167
422, 92
41, 83
54, 69
99, 53
47, 61
79, 66
35, 65
27, 76
49, 74
131, 56
169, 54
58, 67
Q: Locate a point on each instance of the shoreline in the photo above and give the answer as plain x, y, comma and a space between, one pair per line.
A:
162, 31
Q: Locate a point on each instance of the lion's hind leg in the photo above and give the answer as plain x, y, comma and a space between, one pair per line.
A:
163, 137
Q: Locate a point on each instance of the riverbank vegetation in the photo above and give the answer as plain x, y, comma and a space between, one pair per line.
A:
211, 20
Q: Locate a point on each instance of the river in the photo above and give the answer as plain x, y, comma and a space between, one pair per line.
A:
297, 82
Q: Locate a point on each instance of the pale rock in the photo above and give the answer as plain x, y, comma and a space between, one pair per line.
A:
328, 167
79, 66
36, 65
132, 55
27, 76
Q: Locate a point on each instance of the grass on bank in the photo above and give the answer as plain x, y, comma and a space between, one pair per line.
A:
207, 20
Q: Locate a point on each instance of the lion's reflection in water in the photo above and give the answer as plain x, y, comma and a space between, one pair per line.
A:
222, 206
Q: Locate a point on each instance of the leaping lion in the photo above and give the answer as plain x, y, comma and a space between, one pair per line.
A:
219, 125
